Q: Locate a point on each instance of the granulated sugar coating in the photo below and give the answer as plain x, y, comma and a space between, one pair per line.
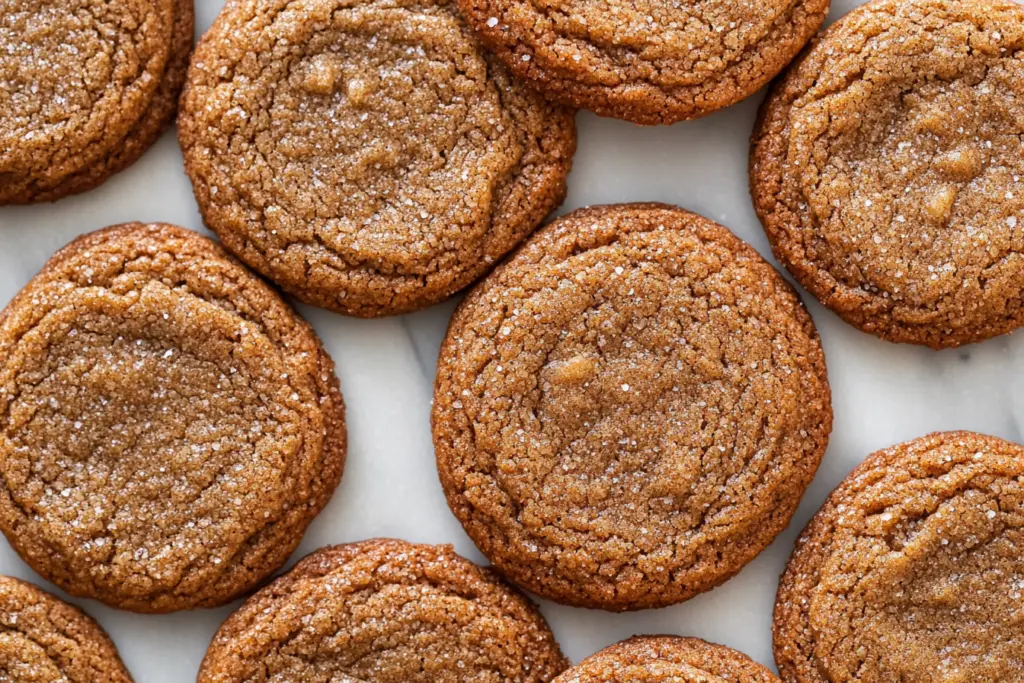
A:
44, 640
385, 611
85, 88
168, 426
886, 169
158, 115
646, 61
913, 569
628, 410
366, 156
667, 659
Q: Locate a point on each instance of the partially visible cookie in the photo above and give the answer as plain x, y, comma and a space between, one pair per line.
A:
646, 61
667, 659
385, 611
366, 156
912, 570
91, 86
168, 425
44, 639
886, 169
158, 115
628, 410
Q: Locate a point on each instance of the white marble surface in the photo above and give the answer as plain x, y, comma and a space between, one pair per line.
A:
882, 393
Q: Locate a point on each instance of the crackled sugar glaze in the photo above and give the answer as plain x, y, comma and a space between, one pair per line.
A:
646, 61
167, 425
366, 156
628, 411
75, 77
887, 168
43, 639
915, 564
385, 611
667, 659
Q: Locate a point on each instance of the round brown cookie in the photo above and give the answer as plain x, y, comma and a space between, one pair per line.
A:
912, 570
367, 156
76, 77
160, 113
667, 659
886, 166
646, 61
629, 409
168, 425
44, 639
385, 611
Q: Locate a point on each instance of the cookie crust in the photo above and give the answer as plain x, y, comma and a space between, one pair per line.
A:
885, 169
646, 61
169, 425
667, 659
911, 568
385, 611
95, 84
367, 157
628, 410
45, 639
159, 115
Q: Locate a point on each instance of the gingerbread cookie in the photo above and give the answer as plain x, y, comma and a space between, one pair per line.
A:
911, 570
366, 156
44, 639
886, 169
646, 61
667, 659
92, 86
629, 409
169, 425
385, 611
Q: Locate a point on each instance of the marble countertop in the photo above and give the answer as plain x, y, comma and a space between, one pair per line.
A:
882, 393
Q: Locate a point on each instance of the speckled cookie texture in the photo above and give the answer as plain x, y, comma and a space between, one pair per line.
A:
886, 169
366, 156
646, 61
385, 611
667, 659
168, 425
913, 570
44, 639
628, 410
85, 88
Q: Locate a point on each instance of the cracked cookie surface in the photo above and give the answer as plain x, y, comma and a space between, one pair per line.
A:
628, 410
366, 156
886, 169
646, 61
90, 87
158, 115
44, 639
385, 611
667, 659
168, 425
912, 570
